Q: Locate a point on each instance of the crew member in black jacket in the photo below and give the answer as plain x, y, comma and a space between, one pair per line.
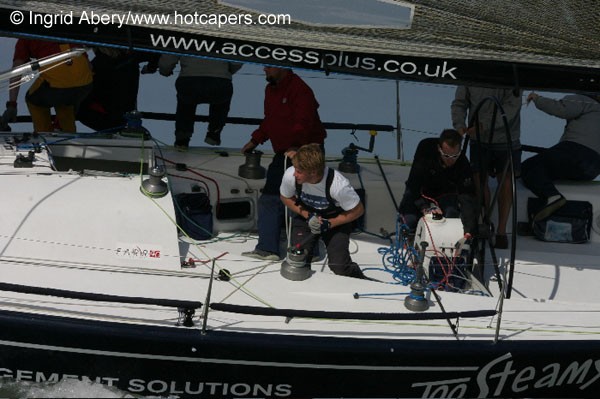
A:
440, 182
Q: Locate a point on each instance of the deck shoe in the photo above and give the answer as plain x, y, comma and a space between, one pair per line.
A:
501, 241
551, 207
524, 229
182, 144
262, 255
213, 138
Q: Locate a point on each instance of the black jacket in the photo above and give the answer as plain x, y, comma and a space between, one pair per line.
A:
428, 177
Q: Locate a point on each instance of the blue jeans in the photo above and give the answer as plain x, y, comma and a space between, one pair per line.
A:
566, 160
271, 210
269, 223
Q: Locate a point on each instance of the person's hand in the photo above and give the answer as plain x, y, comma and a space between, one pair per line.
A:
314, 224
472, 132
532, 97
318, 225
10, 115
249, 146
464, 243
148, 69
290, 153
434, 210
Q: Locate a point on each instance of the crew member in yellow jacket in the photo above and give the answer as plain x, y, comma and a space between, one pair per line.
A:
61, 86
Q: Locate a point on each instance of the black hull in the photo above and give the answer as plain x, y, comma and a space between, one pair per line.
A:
183, 362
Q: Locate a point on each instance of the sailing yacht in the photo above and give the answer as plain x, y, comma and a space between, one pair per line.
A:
105, 279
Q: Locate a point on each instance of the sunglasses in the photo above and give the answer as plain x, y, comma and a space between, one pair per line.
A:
449, 156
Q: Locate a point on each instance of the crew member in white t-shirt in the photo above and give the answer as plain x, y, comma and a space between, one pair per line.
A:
325, 205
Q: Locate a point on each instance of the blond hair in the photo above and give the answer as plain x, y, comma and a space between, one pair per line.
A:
310, 158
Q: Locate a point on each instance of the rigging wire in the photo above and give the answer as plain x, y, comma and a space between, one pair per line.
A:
232, 280
359, 175
246, 182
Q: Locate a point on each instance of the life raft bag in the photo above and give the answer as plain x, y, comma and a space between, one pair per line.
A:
572, 223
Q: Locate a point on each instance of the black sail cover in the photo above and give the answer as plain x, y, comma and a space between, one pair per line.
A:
531, 44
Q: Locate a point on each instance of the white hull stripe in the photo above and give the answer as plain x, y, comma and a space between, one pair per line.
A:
229, 361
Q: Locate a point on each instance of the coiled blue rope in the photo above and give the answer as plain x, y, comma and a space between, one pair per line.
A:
396, 258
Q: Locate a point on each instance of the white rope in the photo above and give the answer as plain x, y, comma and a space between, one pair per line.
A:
288, 216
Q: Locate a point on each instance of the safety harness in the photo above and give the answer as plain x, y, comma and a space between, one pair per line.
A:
332, 210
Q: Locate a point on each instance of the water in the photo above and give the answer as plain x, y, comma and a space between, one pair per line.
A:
62, 389
65, 389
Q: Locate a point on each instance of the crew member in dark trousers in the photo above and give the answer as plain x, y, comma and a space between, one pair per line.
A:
575, 157
325, 205
291, 120
200, 81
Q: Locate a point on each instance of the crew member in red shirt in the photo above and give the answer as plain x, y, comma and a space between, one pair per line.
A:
291, 121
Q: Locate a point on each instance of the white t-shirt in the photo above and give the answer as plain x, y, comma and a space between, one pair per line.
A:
314, 195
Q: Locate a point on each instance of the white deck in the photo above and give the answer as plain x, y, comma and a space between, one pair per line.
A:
71, 232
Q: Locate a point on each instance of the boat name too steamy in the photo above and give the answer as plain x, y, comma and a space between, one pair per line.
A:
499, 377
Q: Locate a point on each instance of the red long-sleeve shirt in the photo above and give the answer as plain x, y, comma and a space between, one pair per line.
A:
291, 117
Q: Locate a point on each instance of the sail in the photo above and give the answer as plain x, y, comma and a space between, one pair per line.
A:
539, 44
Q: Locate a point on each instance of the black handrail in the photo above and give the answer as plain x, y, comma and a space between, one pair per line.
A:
25, 289
159, 116
318, 314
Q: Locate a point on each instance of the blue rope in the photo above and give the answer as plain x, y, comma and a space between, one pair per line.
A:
396, 257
